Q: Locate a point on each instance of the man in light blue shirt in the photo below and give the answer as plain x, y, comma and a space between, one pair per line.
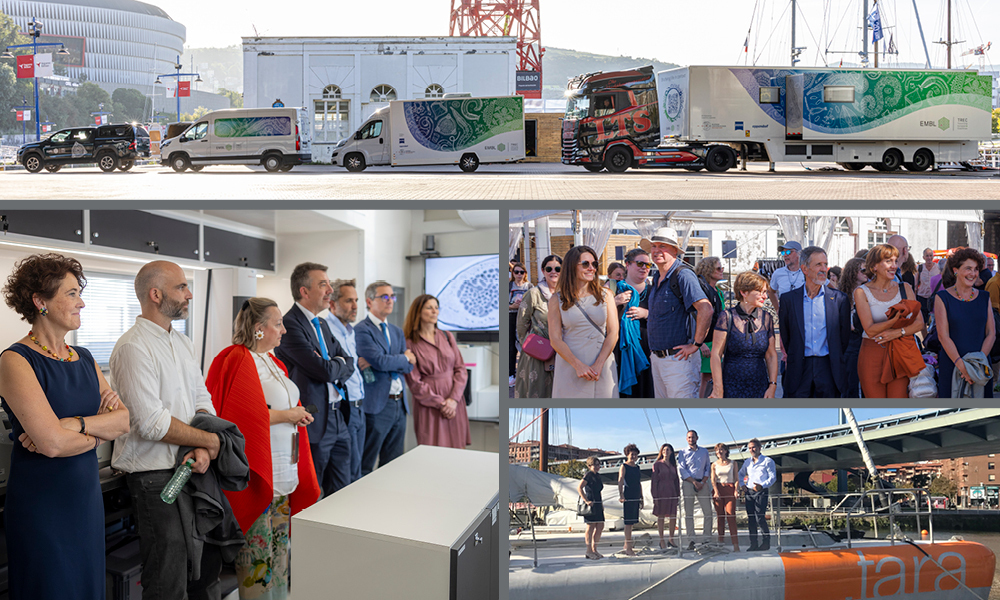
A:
695, 468
757, 474
343, 312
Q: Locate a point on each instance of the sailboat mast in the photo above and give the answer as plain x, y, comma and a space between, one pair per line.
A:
949, 34
543, 443
923, 41
864, 33
793, 34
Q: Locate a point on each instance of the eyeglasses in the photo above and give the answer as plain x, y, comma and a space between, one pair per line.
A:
643, 265
519, 272
720, 268
586, 264
387, 297
550, 269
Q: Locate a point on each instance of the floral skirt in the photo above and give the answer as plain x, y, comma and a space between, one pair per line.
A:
262, 564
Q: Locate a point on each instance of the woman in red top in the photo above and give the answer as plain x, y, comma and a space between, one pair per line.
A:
251, 388
437, 381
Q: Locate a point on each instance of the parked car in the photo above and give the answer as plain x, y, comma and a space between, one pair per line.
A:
110, 146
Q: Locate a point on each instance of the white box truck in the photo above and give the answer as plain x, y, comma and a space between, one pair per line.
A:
705, 117
276, 138
439, 131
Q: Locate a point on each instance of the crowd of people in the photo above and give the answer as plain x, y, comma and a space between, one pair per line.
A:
681, 479
878, 327
297, 408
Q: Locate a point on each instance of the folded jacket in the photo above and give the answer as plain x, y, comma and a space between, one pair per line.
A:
903, 358
978, 366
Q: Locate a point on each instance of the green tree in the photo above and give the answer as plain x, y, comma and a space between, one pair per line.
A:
574, 469
13, 91
943, 486
235, 98
93, 95
921, 480
996, 120
130, 103
197, 114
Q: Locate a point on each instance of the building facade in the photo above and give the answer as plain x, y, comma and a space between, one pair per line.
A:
342, 81
522, 453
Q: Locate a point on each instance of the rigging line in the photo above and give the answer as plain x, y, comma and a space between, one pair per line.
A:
727, 426
569, 428
657, 413
746, 51
768, 40
815, 41
683, 420
653, 433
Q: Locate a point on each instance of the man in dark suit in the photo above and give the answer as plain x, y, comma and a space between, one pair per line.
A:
319, 366
815, 325
383, 346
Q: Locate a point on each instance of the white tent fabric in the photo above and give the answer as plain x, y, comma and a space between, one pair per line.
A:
597, 226
543, 243
791, 225
646, 227
514, 236
975, 233
749, 218
821, 231
683, 232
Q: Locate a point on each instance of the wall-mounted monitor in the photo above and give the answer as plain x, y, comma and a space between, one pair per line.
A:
466, 288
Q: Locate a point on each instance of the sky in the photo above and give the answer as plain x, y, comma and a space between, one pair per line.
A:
613, 428
679, 32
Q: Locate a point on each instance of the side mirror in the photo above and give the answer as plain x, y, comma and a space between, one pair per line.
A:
357, 135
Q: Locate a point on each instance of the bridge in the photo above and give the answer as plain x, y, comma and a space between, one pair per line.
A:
933, 434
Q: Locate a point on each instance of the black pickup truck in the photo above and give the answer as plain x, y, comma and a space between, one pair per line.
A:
110, 146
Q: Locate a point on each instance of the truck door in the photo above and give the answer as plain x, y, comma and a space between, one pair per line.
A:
195, 141
794, 101
373, 140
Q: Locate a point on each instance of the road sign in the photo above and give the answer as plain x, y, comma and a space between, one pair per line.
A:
278, 104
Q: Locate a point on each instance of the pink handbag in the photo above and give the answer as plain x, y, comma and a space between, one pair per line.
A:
538, 347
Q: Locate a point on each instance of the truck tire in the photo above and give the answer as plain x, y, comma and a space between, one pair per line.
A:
594, 168
852, 166
126, 165
34, 163
468, 163
618, 159
694, 169
286, 168
923, 159
53, 168
719, 159
179, 162
271, 162
355, 162
892, 159
196, 168
107, 161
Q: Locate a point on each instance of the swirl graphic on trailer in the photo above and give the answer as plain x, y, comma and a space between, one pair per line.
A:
466, 289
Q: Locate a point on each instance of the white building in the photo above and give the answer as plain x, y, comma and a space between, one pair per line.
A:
342, 81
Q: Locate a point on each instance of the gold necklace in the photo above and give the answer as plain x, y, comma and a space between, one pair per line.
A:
31, 334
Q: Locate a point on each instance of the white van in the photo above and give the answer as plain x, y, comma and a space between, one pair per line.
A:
277, 138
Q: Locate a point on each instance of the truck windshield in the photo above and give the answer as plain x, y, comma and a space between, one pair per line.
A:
577, 107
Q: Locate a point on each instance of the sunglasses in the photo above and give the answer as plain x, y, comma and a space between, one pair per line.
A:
519, 272
644, 265
785, 252
550, 269
586, 264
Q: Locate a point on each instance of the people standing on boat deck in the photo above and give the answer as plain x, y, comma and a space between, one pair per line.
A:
694, 466
711, 270
590, 489
744, 358
724, 493
635, 380
757, 474
853, 276
673, 341
533, 378
630, 493
925, 272
665, 487
583, 330
343, 311
814, 322
154, 370
319, 366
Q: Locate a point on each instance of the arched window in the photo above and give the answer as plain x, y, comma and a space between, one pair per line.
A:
879, 232
434, 90
382, 93
331, 116
331, 91
843, 225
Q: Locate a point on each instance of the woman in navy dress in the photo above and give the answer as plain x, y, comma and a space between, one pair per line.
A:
964, 318
590, 489
61, 409
630, 493
744, 334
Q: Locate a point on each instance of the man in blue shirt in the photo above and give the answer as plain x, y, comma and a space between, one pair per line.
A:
343, 312
695, 469
757, 475
814, 322
672, 336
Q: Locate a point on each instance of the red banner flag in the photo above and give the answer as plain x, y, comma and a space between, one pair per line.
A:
25, 66
20, 115
183, 88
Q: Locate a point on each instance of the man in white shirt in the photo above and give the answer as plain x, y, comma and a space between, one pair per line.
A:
788, 277
757, 475
383, 346
695, 468
343, 312
154, 371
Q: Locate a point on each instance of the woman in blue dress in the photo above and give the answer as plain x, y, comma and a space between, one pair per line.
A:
744, 358
964, 319
61, 409
630, 493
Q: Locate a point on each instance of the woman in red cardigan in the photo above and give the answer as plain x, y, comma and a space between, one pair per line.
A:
251, 388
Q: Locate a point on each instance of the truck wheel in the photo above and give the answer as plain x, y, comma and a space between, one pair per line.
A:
694, 169
891, 160
852, 166
126, 165
33, 163
923, 159
107, 162
286, 168
272, 163
618, 160
179, 162
53, 168
594, 168
355, 163
197, 168
719, 159
468, 163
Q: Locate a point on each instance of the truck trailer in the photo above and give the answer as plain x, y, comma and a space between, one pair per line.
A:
708, 117
441, 131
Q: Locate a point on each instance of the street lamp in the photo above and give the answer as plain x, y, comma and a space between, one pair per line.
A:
35, 30
100, 113
178, 75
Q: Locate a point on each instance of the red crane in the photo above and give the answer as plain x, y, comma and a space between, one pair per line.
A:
519, 18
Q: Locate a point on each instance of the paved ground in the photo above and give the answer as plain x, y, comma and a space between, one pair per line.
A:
500, 182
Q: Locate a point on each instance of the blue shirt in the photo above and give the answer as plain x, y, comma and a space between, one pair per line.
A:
693, 463
669, 324
814, 312
345, 336
762, 472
